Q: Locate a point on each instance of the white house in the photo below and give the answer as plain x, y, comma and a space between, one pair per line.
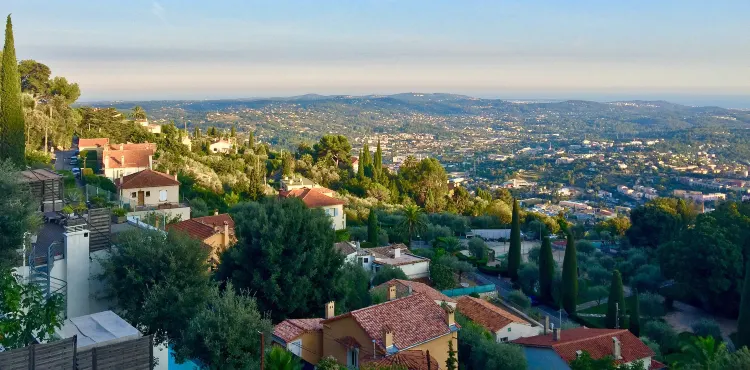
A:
221, 146
505, 325
149, 190
348, 250
124, 159
321, 198
396, 255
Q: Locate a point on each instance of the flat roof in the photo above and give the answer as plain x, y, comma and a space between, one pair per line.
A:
98, 329
39, 175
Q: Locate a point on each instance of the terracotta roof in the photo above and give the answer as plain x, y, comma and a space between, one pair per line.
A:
217, 220
134, 146
146, 179
414, 319
132, 158
194, 228
487, 314
411, 360
313, 198
91, 143
345, 248
289, 330
402, 289
656, 365
597, 342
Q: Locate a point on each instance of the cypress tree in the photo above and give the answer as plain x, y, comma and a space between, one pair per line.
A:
378, 163
570, 277
616, 302
12, 131
360, 168
635, 316
373, 228
743, 324
451, 363
546, 270
514, 253
366, 161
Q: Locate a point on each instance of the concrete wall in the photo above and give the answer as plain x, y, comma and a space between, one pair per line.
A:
77, 272
182, 212
339, 220
544, 359
514, 331
152, 198
416, 270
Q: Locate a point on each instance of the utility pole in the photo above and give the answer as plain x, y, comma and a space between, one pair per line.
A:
262, 350
46, 126
617, 315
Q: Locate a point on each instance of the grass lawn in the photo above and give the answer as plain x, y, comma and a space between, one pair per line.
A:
602, 308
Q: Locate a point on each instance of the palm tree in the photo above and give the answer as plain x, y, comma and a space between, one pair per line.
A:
701, 353
281, 359
138, 113
413, 222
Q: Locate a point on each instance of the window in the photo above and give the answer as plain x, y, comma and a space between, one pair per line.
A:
504, 339
295, 347
148, 193
352, 358
508, 329
133, 195
162, 195
366, 260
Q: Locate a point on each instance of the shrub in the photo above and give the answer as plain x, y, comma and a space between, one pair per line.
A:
478, 248
119, 211
661, 333
387, 273
519, 299
474, 295
707, 327
651, 305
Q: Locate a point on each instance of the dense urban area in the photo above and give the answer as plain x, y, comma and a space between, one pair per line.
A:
400, 232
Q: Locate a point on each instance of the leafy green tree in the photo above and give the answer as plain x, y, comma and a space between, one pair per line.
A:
225, 333
373, 228
661, 333
616, 302
651, 305
442, 276
361, 167
700, 353
34, 77
707, 328
19, 215
281, 359
59, 86
635, 316
598, 292
519, 299
139, 113
413, 222
377, 164
387, 273
328, 363
335, 146
659, 221
27, 315
451, 363
570, 278
528, 277
738, 360
586, 362
353, 287
546, 270
743, 323
514, 252
159, 280
12, 127
478, 248
284, 250
424, 181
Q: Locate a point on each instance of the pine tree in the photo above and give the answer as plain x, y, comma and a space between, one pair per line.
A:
635, 316
378, 163
616, 302
743, 324
546, 270
12, 131
373, 229
451, 363
570, 277
514, 253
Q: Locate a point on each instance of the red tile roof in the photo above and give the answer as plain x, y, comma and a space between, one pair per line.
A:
91, 143
402, 289
597, 342
487, 314
146, 179
289, 330
134, 146
414, 319
345, 248
656, 365
195, 229
217, 220
132, 158
313, 198
411, 360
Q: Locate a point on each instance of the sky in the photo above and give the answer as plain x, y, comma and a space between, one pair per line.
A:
680, 50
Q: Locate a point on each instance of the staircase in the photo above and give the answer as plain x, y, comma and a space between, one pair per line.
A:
39, 275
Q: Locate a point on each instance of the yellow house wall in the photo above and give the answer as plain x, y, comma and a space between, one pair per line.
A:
342, 328
312, 347
439, 348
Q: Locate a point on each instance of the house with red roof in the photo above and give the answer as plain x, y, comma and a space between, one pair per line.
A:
557, 349
411, 331
322, 198
148, 190
215, 232
120, 160
394, 255
505, 325
405, 288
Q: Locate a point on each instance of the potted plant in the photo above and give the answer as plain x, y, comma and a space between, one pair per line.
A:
68, 210
118, 214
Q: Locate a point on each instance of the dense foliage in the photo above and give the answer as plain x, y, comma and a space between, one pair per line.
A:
570, 278
19, 215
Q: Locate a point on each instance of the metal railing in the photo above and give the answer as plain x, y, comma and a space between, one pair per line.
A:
40, 274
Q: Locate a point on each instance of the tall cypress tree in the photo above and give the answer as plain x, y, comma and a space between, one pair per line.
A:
635, 316
570, 277
366, 161
514, 253
546, 270
373, 229
616, 302
12, 131
378, 163
743, 324
360, 168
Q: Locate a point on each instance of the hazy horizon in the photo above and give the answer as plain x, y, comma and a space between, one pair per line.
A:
685, 51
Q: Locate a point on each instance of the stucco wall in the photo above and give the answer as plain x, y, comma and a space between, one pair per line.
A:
152, 199
342, 328
339, 221
517, 331
416, 270
114, 173
439, 348
312, 347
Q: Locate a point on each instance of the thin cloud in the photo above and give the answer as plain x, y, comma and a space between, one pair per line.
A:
159, 12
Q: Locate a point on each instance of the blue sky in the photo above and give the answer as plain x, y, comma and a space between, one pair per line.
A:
515, 49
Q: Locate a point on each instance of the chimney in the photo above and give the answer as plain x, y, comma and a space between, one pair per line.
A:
122, 160
397, 253
546, 324
226, 233
358, 246
150, 162
450, 317
391, 292
105, 159
387, 337
216, 212
175, 176
410, 289
167, 172
617, 350
121, 147
556, 334
330, 309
